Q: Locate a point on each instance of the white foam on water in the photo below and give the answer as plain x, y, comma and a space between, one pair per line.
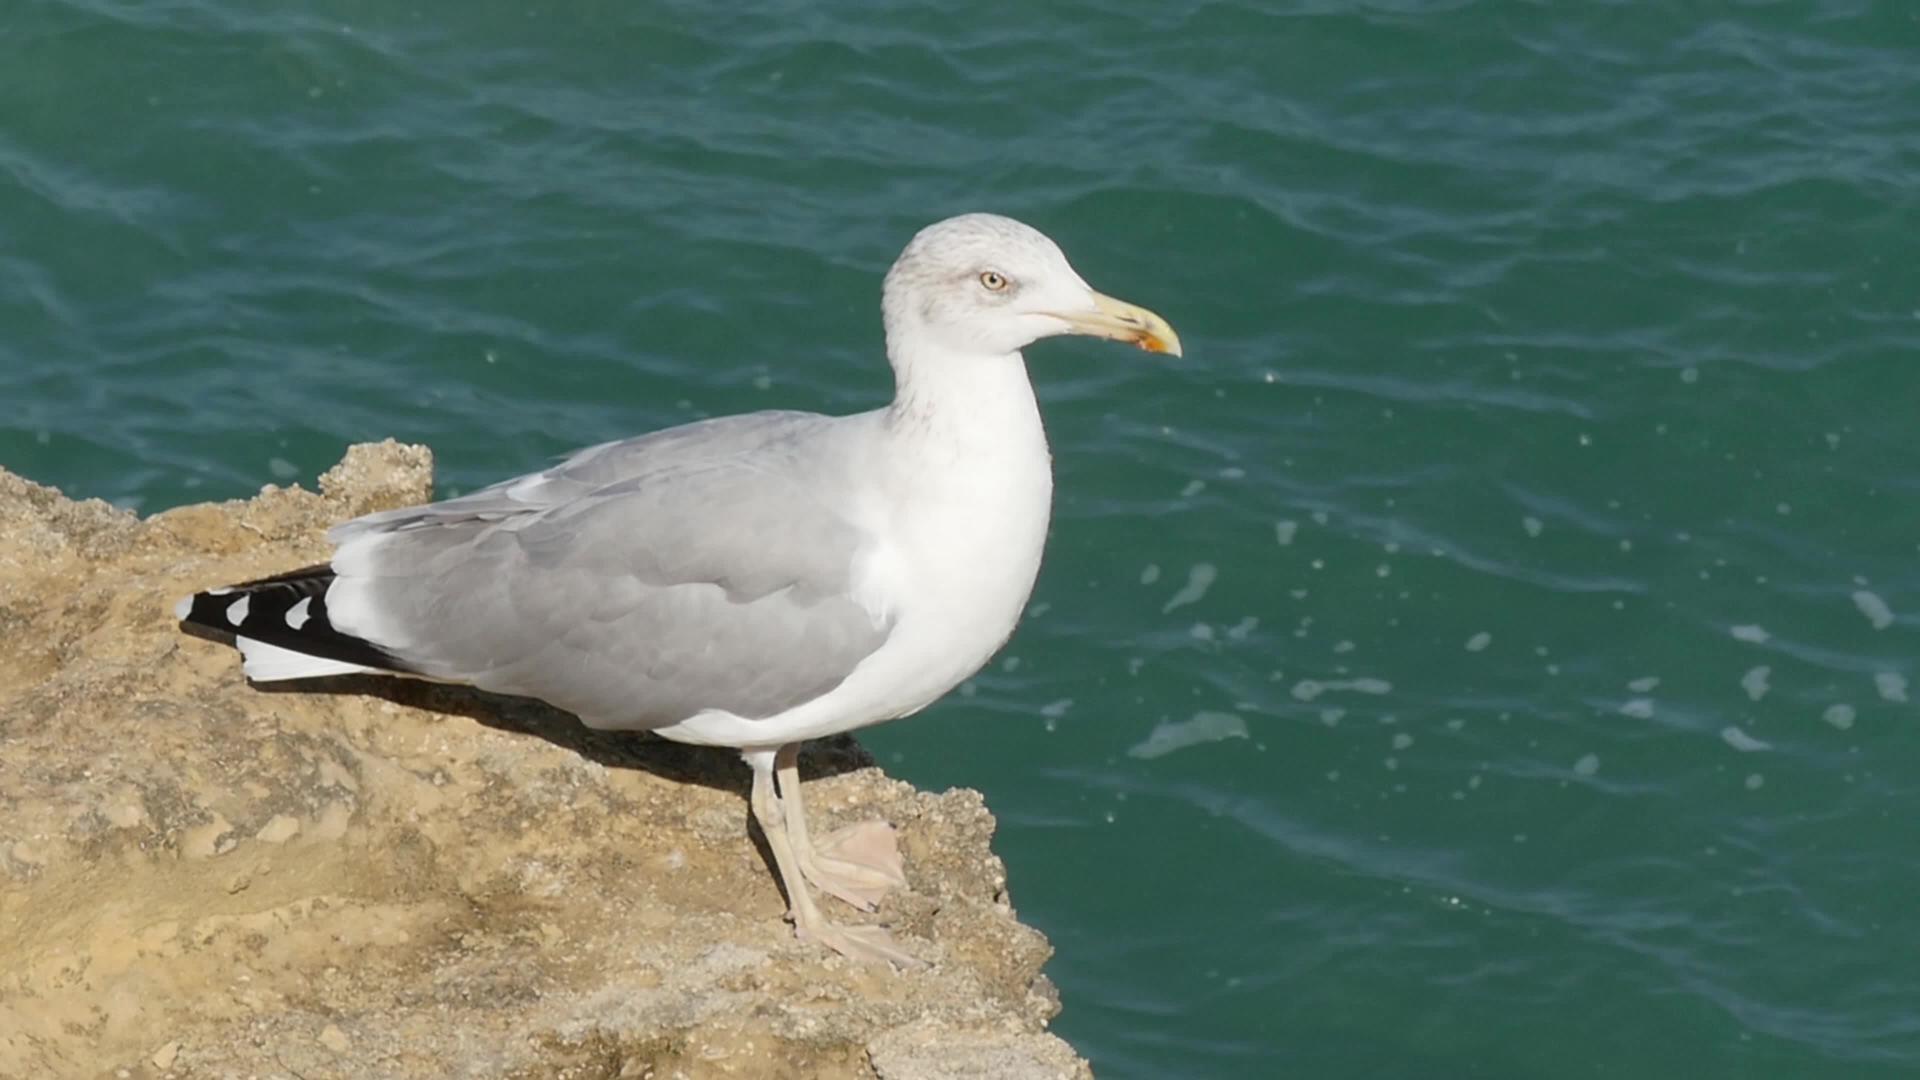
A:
1754, 682
1742, 741
1644, 685
1151, 574
1839, 715
1638, 708
1200, 578
1892, 686
1532, 525
1874, 608
1587, 765
1479, 641
1205, 726
1284, 531
1751, 633
1308, 689
1754, 781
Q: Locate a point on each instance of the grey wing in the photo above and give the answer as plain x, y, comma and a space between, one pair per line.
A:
585, 471
710, 569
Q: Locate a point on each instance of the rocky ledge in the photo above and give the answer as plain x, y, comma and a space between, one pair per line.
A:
203, 879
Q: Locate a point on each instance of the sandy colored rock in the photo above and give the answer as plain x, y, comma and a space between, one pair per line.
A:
371, 878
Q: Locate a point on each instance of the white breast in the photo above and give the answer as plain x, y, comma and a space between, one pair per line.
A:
959, 516
959, 569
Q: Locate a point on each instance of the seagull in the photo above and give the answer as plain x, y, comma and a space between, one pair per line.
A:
748, 581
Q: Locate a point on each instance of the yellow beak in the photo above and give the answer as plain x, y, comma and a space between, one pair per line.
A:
1121, 321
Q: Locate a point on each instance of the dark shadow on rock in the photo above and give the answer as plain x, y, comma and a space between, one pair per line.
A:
713, 766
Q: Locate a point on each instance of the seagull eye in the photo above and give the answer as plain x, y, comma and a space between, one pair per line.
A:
993, 281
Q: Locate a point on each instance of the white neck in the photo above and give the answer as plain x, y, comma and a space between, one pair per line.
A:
983, 403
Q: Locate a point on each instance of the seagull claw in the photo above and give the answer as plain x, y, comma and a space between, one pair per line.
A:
859, 864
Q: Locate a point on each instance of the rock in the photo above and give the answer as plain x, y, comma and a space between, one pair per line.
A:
376, 878
335, 1040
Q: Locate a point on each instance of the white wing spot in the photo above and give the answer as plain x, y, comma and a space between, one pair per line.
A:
297, 615
237, 611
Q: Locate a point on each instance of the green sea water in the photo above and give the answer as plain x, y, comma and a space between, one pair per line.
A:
1486, 654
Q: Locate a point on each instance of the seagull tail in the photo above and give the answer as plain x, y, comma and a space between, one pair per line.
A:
281, 628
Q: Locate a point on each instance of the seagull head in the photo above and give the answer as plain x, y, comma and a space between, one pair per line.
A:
988, 285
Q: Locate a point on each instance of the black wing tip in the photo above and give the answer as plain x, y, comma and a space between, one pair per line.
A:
288, 610
209, 608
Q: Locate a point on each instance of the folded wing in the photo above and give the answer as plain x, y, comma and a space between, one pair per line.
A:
637, 583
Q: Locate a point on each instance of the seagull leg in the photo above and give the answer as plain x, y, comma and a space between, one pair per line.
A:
871, 944
858, 864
